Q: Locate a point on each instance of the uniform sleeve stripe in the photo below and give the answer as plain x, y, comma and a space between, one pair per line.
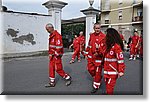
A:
57, 47
120, 61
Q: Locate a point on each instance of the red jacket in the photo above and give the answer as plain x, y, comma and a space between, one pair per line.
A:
82, 40
55, 44
114, 62
135, 40
141, 41
122, 37
76, 43
95, 39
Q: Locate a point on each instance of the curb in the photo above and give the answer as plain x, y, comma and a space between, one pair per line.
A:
29, 54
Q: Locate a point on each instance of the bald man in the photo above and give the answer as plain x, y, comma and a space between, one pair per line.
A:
55, 54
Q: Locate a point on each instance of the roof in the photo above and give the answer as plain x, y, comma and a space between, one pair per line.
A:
4, 9
27, 13
74, 20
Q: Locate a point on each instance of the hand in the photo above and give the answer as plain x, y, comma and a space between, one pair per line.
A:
60, 55
69, 47
50, 55
81, 49
95, 54
136, 46
120, 74
97, 46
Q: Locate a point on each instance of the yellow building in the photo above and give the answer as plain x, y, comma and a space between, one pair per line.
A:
123, 15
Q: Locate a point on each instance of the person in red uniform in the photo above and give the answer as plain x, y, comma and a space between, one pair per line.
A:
141, 46
82, 43
76, 47
134, 46
122, 37
90, 64
55, 54
94, 57
124, 42
113, 59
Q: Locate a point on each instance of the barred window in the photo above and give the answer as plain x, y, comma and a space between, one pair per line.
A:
139, 12
120, 14
120, 2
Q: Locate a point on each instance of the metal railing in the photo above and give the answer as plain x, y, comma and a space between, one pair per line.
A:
137, 18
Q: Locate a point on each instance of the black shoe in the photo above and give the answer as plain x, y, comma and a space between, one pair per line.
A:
83, 57
94, 90
68, 81
50, 85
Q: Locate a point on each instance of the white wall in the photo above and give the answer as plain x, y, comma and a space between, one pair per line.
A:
0, 5
24, 24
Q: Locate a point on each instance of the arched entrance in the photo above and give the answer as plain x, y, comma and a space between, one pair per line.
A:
70, 28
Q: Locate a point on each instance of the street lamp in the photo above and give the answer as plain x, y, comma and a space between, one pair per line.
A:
91, 2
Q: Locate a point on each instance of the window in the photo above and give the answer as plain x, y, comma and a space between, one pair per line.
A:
120, 29
139, 12
120, 14
134, 1
107, 19
107, 5
120, 17
120, 2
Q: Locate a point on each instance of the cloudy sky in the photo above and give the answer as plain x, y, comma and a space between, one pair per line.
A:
72, 10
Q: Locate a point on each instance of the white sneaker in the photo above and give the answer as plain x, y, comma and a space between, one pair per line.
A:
134, 58
79, 61
130, 58
138, 56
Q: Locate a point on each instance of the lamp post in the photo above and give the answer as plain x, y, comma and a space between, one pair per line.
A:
91, 2
54, 9
90, 19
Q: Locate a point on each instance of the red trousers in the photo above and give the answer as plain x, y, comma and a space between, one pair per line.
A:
110, 84
91, 68
76, 53
95, 72
133, 50
55, 64
141, 50
82, 53
82, 50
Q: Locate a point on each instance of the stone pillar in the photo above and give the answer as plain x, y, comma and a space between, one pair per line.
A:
55, 9
90, 20
1, 52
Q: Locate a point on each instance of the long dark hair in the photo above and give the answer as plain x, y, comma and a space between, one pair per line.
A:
112, 37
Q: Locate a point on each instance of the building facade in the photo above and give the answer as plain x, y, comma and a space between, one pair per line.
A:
24, 32
123, 15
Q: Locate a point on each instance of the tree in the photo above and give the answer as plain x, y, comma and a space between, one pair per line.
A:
69, 30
